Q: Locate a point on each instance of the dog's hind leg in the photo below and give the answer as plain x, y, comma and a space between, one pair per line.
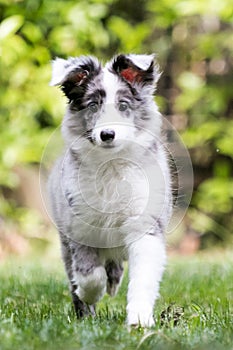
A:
114, 272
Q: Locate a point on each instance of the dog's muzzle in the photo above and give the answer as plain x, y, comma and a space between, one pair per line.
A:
104, 137
115, 135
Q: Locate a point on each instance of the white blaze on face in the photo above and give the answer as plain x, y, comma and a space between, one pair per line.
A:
111, 85
111, 119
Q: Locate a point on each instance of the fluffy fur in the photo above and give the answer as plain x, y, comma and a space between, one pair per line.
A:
110, 191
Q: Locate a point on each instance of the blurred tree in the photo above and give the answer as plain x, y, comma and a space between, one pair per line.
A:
193, 40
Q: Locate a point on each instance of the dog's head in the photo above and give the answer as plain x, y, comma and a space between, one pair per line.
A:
109, 106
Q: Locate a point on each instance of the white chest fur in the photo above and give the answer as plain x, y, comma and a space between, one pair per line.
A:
114, 198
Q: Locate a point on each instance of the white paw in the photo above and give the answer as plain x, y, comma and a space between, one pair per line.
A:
92, 287
140, 317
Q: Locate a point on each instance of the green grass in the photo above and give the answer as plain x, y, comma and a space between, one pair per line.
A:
195, 310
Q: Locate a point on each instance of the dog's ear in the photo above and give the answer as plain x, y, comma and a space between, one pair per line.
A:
136, 69
74, 74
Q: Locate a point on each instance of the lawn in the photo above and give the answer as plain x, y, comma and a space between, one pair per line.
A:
195, 310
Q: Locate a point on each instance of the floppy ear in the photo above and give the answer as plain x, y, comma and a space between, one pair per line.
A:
73, 74
139, 69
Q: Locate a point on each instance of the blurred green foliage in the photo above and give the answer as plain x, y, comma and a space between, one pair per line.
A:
194, 43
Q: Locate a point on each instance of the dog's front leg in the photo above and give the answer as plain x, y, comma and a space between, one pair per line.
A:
146, 264
88, 274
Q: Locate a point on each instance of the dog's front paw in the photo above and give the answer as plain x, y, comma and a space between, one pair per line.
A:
140, 317
91, 288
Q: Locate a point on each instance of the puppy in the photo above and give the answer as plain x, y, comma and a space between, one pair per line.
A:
110, 191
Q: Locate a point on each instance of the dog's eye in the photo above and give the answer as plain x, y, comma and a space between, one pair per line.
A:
123, 106
93, 106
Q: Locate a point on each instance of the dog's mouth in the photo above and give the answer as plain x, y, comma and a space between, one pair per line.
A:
101, 144
108, 145
114, 146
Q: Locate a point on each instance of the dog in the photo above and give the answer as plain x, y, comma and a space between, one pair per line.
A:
110, 191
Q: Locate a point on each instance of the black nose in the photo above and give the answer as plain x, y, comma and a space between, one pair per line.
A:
107, 135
